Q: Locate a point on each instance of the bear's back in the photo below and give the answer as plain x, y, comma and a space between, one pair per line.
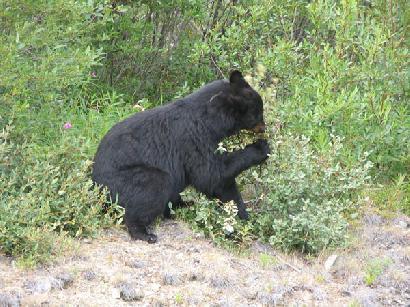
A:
163, 130
205, 93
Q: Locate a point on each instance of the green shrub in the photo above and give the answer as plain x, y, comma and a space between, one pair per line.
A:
299, 201
304, 194
46, 52
374, 269
47, 195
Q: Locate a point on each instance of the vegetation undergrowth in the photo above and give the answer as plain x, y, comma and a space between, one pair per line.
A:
47, 197
374, 269
388, 199
333, 76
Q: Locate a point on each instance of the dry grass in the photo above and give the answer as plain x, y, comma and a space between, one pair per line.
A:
185, 269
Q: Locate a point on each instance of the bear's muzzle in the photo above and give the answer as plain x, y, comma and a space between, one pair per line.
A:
259, 128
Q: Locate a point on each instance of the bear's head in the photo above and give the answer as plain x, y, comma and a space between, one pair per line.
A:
244, 104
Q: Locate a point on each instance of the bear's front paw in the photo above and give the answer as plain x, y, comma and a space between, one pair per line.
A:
243, 215
262, 147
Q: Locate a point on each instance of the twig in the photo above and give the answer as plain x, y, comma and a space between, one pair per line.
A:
288, 264
217, 67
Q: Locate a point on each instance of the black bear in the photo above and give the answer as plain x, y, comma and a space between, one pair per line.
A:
149, 158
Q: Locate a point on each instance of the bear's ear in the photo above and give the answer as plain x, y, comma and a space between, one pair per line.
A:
237, 79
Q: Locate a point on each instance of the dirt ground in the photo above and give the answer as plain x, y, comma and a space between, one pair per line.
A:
186, 269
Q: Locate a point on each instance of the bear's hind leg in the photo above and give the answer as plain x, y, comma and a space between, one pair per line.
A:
139, 231
145, 196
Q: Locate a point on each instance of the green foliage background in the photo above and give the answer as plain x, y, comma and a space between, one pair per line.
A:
327, 69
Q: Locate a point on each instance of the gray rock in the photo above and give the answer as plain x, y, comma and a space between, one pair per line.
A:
5, 259
261, 247
367, 301
397, 286
372, 219
46, 284
402, 222
42, 285
330, 262
129, 294
9, 300
219, 282
223, 303
158, 304
405, 259
171, 279
387, 239
270, 299
249, 294
319, 294
366, 298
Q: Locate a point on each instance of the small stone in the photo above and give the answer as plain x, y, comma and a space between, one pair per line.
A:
65, 280
405, 259
136, 264
354, 281
219, 282
346, 293
80, 258
199, 235
403, 224
193, 250
89, 275
193, 276
170, 279
330, 262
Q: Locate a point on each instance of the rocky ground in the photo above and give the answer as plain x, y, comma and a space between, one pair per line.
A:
186, 269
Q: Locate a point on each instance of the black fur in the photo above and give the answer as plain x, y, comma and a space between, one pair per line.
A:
149, 158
